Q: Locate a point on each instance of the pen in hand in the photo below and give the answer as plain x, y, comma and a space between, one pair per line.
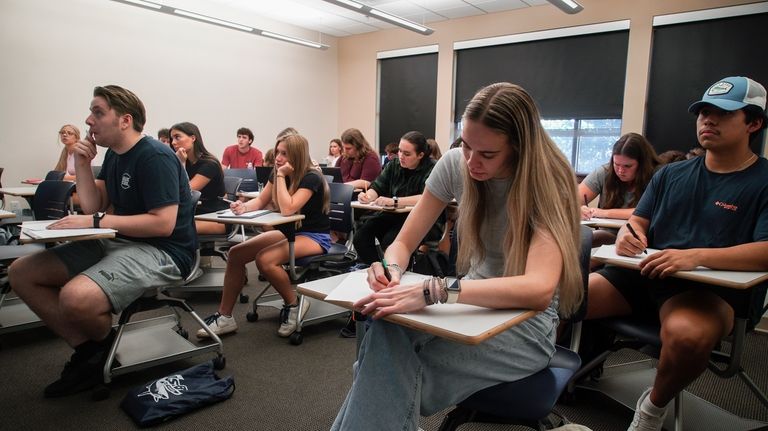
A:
634, 234
227, 200
386, 270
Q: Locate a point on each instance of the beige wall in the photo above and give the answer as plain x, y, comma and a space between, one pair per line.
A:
55, 52
358, 65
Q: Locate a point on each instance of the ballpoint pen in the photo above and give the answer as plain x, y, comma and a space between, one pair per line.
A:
634, 234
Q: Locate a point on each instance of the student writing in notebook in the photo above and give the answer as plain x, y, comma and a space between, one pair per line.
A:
359, 163
295, 188
141, 191
401, 183
710, 211
619, 183
519, 236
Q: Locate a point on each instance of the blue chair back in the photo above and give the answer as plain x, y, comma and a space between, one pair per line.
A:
54, 175
52, 199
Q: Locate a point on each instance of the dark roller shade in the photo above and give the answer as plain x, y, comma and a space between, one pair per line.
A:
686, 59
570, 77
408, 97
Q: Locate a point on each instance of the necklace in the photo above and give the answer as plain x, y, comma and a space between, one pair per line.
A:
746, 163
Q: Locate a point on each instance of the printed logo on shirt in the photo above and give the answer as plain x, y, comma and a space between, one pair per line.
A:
125, 183
729, 207
721, 87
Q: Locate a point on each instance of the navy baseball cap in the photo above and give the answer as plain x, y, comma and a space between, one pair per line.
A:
731, 94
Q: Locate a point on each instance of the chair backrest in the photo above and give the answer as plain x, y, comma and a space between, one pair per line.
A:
334, 172
52, 199
240, 173
340, 214
231, 185
328, 178
263, 173
55, 175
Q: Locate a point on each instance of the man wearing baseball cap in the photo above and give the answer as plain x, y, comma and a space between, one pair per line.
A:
708, 211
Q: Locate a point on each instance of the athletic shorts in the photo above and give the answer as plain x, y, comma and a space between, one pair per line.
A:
123, 269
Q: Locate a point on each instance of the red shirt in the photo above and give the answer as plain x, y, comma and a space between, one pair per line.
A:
234, 159
367, 169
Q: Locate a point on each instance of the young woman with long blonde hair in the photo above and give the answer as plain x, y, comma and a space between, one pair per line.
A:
518, 228
294, 188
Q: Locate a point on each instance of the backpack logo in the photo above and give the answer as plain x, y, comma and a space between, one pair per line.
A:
163, 389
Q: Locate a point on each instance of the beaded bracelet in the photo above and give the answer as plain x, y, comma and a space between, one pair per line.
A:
397, 267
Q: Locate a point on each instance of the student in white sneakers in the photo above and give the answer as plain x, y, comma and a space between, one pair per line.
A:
710, 211
296, 188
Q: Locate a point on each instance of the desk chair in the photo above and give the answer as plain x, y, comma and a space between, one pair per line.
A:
337, 260
52, 201
643, 335
145, 343
529, 401
55, 176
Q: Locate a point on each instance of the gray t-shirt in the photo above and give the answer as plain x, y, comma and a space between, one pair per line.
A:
445, 183
596, 181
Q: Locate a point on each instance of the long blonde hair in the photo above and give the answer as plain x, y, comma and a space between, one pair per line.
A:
542, 193
297, 151
61, 165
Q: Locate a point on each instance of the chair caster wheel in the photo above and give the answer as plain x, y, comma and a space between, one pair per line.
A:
219, 362
244, 299
100, 393
296, 338
252, 316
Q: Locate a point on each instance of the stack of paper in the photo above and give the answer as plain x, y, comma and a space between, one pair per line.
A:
39, 230
249, 214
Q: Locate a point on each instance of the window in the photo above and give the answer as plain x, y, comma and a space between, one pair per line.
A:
587, 144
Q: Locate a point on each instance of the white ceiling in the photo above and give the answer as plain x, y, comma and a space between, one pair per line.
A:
323, 17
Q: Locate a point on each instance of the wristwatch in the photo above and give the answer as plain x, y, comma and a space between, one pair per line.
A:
97, 216
453, 290
394, 198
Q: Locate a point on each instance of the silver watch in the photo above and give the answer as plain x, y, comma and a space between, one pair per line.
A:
453, 290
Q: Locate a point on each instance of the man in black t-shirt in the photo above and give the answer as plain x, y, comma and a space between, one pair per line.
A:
143, 192
709, 211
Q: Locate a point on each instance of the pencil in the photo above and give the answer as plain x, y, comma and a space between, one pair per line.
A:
634, 234
227, 200
586, 202
386, 270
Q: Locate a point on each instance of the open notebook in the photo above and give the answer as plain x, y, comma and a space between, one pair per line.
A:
39, 230
249, 214
732, 279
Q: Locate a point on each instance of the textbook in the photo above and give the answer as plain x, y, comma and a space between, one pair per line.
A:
249, 214
464, 323
39, 230
605, 222
732, 279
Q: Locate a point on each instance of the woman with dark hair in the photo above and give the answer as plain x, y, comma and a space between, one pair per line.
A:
334, 152
295, 187
359, 164
519, 235
204, 172
400, 184
619, 183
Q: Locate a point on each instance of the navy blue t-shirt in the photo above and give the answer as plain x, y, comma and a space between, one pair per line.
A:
691, 207
150, 176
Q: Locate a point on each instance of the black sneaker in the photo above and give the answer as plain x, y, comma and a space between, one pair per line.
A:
349, 330
81, 373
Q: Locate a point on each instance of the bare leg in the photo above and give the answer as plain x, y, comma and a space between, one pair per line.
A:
604, 299
691, 324
270, 261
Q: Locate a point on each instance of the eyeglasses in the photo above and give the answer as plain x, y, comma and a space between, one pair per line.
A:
66, 133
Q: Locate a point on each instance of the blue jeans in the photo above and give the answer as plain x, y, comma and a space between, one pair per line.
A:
403, 373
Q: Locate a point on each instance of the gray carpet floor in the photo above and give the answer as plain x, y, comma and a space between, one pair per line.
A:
280, 386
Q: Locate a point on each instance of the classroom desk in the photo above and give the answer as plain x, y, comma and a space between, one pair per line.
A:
458, 322
65, 234
32, 181
371, 207
25, 192
613, 223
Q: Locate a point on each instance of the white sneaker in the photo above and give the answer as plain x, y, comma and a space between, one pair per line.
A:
219, 324
571, 427
644, 421
289, 318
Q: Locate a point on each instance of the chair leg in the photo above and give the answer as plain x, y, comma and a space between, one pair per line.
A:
455, 418
753, 387
679, 412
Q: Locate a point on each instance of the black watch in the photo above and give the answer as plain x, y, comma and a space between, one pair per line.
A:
97, 216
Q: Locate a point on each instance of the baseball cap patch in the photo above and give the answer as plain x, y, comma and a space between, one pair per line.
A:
721, 87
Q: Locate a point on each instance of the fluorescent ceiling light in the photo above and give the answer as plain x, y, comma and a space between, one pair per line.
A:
567, 6
381, 15
212, 20
220, 22
291, 39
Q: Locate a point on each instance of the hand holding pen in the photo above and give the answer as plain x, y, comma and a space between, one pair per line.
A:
639, 244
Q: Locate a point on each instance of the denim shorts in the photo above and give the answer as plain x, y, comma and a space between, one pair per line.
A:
123, 269
323, 239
